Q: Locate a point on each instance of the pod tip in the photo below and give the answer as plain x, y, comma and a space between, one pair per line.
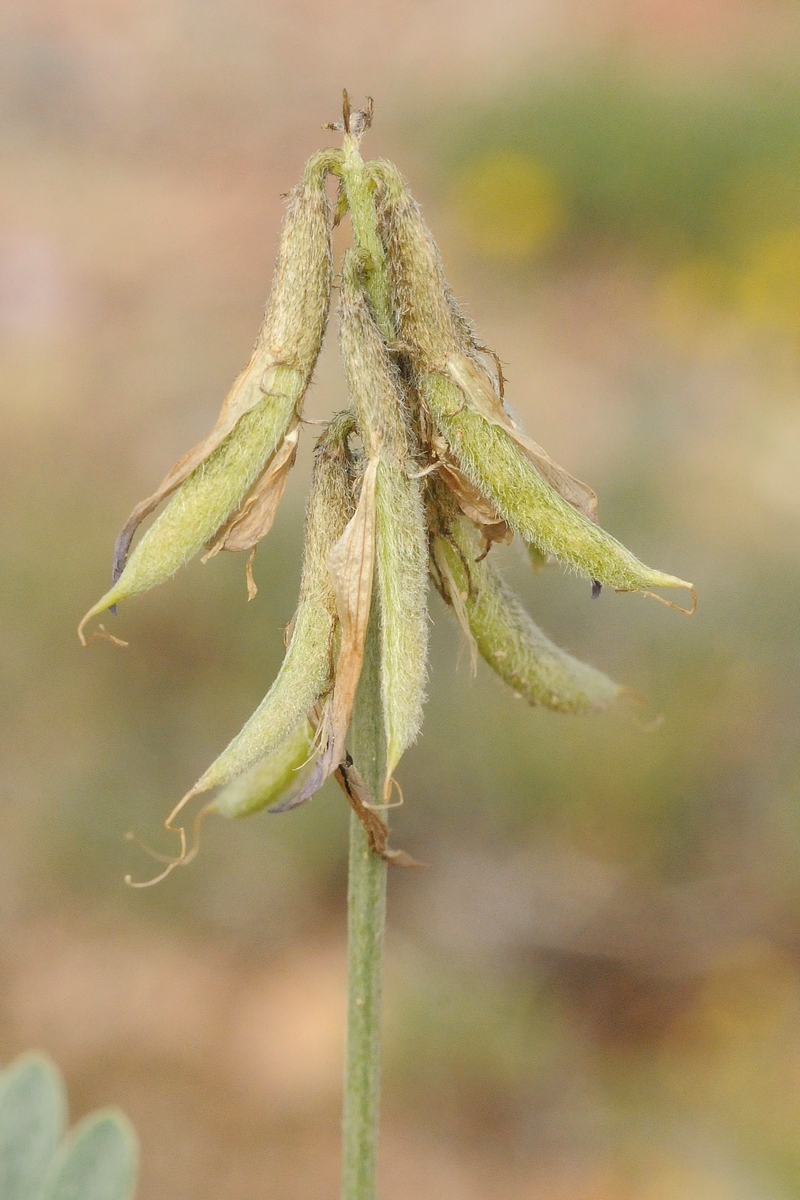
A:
676, 583
105, 602
657, 579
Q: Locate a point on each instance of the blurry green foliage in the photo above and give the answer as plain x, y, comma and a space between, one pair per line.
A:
97, 1161
703, 183
662, 169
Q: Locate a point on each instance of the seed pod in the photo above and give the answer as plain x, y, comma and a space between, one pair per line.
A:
379, 403
225, 472
535, 556
306, 672
504, 634
530, 505
534, 495
358, 189
274, 780
428, 320
351, 565
433, 330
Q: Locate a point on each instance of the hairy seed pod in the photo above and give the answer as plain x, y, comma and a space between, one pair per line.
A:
229, 470
357, 186
536, 497
379, 403
436, 336
504, 634
274, 780
428, 320
297, 309
528, 503
306, 672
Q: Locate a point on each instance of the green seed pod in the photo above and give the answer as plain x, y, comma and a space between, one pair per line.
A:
274, 780
533, 494
229, 470
306, 672
428, 320
358, 189
205, 501
504, 634
379, 403
492, 462
536, 558
437, 337
297, 309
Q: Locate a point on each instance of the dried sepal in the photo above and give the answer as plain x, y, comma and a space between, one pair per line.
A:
470, 499
253, 519
351, 564
378, 398
505, 635
213, 478
362, 804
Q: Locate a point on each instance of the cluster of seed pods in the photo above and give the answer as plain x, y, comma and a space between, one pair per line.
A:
418, 478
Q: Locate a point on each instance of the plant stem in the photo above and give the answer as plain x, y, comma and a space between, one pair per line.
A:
366, 892
366, 914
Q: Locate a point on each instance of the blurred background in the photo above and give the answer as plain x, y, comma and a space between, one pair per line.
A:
593, 993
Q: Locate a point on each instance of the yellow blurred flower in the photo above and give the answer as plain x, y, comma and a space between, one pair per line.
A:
768, 288
510, 205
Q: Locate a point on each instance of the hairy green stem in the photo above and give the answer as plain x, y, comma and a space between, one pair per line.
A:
366, 894
366, 916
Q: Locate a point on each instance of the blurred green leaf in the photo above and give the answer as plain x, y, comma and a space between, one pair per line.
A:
98, 1161
32, 1121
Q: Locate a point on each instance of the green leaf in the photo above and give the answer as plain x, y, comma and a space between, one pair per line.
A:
97, 1162
33, 1111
